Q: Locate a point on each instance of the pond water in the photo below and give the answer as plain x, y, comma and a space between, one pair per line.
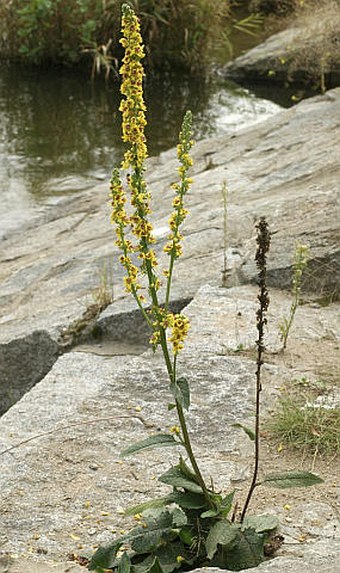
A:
60, 132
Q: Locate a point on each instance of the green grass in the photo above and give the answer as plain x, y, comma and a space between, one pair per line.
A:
303, 423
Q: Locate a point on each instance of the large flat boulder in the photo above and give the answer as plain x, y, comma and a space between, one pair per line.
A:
63, 485
286, 168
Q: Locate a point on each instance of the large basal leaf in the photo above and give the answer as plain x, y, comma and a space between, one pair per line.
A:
260, 523
246, 552
175, 477
181, 392
156, 441
105, 557
222, 533
291, 479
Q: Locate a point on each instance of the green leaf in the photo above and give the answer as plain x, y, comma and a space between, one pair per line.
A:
124, 564
105, 557
168, 553
181, 392
178, 516
210, 513
292, 479
187, 499
247, 551
250, 433
260, 523
186, 535
171, 407
175, 477
157, 530
186, 471
153, 503
222, 533
222, 505
155, 567
156, 441
227, 502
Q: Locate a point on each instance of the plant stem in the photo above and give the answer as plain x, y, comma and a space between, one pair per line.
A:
181, 418
263, 240
168, 285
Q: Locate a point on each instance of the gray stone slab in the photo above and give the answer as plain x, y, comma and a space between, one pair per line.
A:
64, 489
286, 168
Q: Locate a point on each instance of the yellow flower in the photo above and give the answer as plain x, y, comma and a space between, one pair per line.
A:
179, 332
175, 430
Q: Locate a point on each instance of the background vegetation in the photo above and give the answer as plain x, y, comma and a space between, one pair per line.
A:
63, 31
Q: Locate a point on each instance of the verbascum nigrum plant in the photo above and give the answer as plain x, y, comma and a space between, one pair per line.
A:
193, 525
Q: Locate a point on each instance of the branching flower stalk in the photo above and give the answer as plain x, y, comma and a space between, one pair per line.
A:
263, 242
134, 230
301, 257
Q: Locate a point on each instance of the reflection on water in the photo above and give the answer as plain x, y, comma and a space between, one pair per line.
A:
60, 132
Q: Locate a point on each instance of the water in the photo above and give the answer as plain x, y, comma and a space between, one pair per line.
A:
60, 132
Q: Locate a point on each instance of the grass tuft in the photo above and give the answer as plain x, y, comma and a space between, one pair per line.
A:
306, 419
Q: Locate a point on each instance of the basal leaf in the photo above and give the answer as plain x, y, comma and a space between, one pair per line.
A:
105, 557
260, 523
292, 479
155, 441
181, 392
247, 551
175, 477
157, 530
222, 533
168, 555
250, 433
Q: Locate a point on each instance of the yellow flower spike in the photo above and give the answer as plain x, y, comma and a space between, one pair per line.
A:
133, 107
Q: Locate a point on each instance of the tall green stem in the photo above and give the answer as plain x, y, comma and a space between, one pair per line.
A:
181, 418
